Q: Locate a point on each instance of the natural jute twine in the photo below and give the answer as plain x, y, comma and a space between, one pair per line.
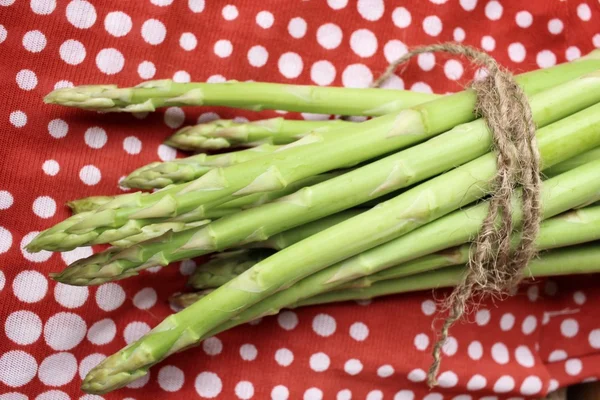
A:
494, 268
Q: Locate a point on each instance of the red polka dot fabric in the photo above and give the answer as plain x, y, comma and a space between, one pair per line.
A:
51, 335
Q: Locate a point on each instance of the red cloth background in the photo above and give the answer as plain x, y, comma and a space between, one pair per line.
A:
51, 335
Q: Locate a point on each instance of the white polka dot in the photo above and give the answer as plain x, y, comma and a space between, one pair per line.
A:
44, 207
572, 53
329, 36
248, 352
573, 366
72, 52
216, 79
569, 328
258, 56
401, 17
596, 40
139, 382
432, 25
90, 362
188, 41
504, 384
58, 369
524, 19
280, 392
223, 48
70, 296
71, 256
63, 84
132, 145
531, 385
26, 79
371, 10
477, 382
102, 332
453, 70
393, 50
161, 3
43, 7
187, 267
117, 23
145, 299
500, 353
58, 128
319, 362
545, 59
6, 241
50, 167
208, 385
166, 153
553, 385
6, 3
459, 34
516, 52
404, 395
196, 6
359, 331
146, 70
182, 77
507, 322
385, 371
393, 82
18, 118
90, 175
475, 350
322, 73
64, 331
357, 76
594, 338
557, 355
6, 200
230, 12
579, 296
529, 324
447, 379
212, 346
174, 117
297, 27
95, 137
3, 33
110, 61
421, 87
17, 368
30, 286
353, 366
468, 5
488, 43
324, 325
493, 10
555, 26
110, 296
40, 256
23, 327
49, 395
524, 356
154, 32
426, 62
533, 293
421, 341
584, 12
374, 395
284, 357
290, 65
337, 4
134, 331
363, 42
265, 19
313, 394
450, 347
81, 14
416, 375
170, 378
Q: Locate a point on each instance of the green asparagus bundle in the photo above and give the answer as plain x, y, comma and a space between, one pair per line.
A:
314, 154
223, 134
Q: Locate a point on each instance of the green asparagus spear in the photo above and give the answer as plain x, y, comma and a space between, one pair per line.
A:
558, 141
87, 204
256, 96
571, 163
183, 300
567, 261
222, 134
162, 174
313, 155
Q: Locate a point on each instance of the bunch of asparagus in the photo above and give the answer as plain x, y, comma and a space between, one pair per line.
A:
306, 212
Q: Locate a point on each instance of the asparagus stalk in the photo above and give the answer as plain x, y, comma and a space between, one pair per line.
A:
567, 261
183, 300
87, 204
256, 96
571, 163
223, 134
313, 155
302, 259
567, 229
162, 174
558, 141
